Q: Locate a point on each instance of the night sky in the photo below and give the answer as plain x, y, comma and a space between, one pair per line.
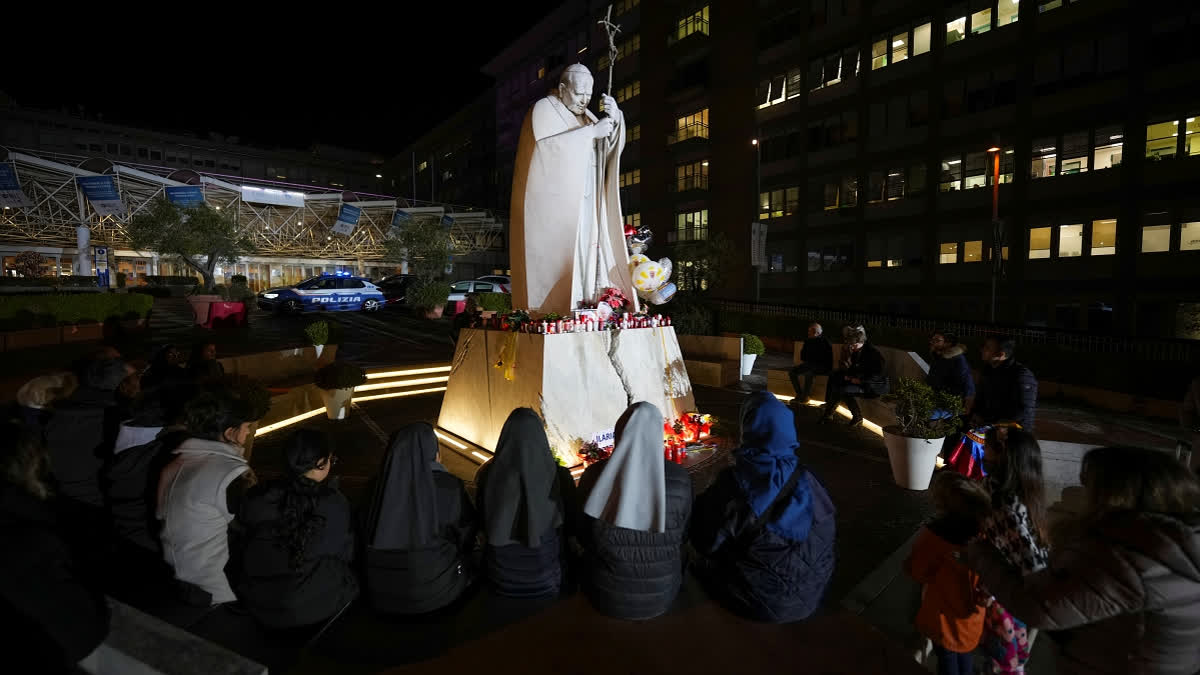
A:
372, 80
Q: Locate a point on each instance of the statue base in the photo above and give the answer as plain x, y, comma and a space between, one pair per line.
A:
579, 383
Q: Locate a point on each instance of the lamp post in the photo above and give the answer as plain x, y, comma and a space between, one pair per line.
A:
757, 206
995, 151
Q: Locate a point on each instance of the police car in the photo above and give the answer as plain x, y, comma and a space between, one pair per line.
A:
333, 293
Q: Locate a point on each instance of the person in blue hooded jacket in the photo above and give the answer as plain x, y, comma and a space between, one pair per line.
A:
765, 529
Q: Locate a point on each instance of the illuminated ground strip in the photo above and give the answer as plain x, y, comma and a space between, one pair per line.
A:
842, 410
376, 397
281, 424
401, 383
413, 371
460, 446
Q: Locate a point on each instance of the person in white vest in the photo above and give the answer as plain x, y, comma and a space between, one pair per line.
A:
199, 491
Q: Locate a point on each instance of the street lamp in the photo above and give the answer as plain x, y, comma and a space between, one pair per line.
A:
757, 206
997, 228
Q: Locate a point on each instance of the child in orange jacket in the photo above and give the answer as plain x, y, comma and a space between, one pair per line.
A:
952, 609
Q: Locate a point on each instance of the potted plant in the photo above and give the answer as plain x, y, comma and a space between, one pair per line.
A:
324, 336
337, 382
924, 419
429, 299
752, 346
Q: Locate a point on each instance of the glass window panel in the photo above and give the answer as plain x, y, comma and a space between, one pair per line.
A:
792, 204
895, 183
1109, 142
1104, 237
916, 179
1039, 243
1189, 236
849, 193
1156, 238
875, 187
981, 21
1073, 158
1007, 12
879, 54
973, 251
874, 263
895, 251
951, 178
1070, 241
1160, 138
899, 47
948, 253
921, 39
831, 196
956, 28
777, 203
1191, 144
976, 170
1045, 159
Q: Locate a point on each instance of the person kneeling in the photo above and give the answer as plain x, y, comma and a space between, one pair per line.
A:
765, 528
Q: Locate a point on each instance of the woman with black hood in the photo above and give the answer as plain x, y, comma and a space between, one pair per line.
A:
420, 529
166, 368
203, 365
298, 542
524, 500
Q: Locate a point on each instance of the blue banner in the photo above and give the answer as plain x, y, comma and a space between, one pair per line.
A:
187, 196
347, 219
10, 188
447, 221
400, 217
101, 192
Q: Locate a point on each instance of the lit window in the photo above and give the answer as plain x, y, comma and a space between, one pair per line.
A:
951, 179
1104, 237
541, 72
692, 226
1189, 236
956, 29
976, 170
629, 91
874, 263
634, 133
973, 251
1039, 243
1074, 155
832, 69
894, 184
921, 39
981, 21
1156, 238
948, 253
694, 176
696, 22
1109, 141
1070, 241
899, 47
1045, 158
829, 196
634, 219
1161, 139
622, 6
690, 126
879, 54
420, 167
631, 178
1007, 12
1191, 144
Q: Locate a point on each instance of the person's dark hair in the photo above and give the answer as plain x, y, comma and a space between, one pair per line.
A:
1005, 345
214, 410
950, 338
23, 460
298, 521
959, 497
198, 351
1136, 479
1021, 475
104, 374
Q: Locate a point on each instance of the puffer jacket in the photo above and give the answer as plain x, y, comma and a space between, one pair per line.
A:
950, 372
631, 574
1123, 598
1007, 393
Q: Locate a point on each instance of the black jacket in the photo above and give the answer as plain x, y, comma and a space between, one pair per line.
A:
79, 437
422, 580
129, 481
772, 579
51, 617
276, 594
817, 352
950, 372
868, 365
631, 574
1007, 393
519, 571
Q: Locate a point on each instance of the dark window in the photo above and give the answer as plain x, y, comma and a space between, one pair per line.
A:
156, 155
352, 283
143, 153
111, 148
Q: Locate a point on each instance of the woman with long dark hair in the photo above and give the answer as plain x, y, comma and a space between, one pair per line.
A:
295, 567
1017, 529
1124, 595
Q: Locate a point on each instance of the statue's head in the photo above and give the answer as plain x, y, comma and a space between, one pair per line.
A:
575, 88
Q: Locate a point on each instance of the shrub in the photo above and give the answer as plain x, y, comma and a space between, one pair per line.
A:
494, 302
324, 332
690, 315
340, 375
19, 312
152, 291
67, 282
428, 295
752, 345
915, 403
29, 263
239, 279
235, 292
160, 280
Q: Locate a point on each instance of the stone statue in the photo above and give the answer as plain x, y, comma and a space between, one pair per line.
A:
566, 234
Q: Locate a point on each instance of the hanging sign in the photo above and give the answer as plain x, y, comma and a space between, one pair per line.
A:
186, 196
101, 193
10, 189
347, 220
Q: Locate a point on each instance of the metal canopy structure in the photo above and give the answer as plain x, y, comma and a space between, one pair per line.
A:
59, 206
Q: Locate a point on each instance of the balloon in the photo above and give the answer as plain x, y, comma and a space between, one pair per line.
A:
604, 310
648, 276
662, 296
637, 259
667, 268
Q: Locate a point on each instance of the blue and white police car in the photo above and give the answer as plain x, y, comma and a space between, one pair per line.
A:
333, 293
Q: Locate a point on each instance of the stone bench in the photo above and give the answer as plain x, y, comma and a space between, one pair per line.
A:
712, 361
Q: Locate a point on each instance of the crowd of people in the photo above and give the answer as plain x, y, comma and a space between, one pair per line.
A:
133, 483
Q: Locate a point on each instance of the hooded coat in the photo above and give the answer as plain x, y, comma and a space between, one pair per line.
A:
950, 372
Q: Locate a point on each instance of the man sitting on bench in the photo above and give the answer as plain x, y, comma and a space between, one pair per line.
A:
816, 358
862, 374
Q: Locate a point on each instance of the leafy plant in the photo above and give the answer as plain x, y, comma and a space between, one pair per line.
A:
340, 375
428, 295
552, 316
751, 344
324, 332
425, 244
29, 264
18, 312
915, 404
189, 234
500, 303
709, 259
690, 315
239, 279
516, 318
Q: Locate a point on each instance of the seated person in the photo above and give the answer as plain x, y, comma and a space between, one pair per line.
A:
765, 528
948, 367
1007, 389
636, 506
420, 530
862, 374
525, 499
816, 359
203, 365
298, 542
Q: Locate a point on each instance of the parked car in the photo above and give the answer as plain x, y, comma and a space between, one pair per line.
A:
395, 287
503, 281
459, 290
333, 293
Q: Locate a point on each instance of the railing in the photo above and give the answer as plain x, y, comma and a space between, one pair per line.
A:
688, 131
1150, 349
685, 183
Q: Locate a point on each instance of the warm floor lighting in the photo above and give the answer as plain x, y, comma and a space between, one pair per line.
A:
376, 397
481, 457
401, 383
449, 440
411, 371
841, 410
262, 431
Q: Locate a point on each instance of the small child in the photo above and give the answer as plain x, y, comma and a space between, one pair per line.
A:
952, 609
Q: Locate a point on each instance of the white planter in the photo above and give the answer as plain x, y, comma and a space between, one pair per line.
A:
337, 402
913, 459
319, 348
748, 363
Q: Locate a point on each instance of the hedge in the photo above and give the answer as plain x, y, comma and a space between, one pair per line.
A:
19, 312
69, 281
158, 280
494, 302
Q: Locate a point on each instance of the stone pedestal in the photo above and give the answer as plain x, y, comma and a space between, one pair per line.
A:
579, 383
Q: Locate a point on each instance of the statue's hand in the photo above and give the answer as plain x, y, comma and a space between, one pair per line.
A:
608, 105
603, 127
